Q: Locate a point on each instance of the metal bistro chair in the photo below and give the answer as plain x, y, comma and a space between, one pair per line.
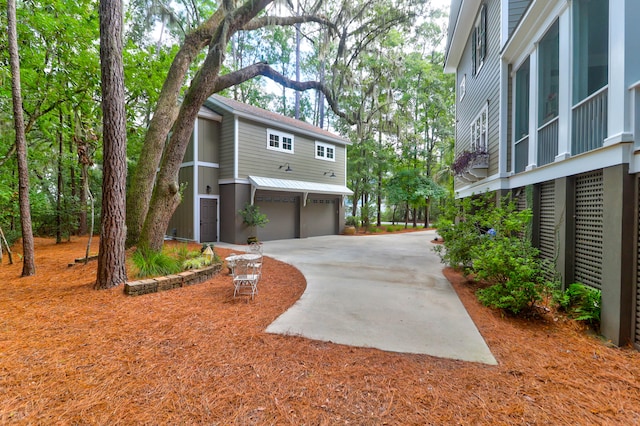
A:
256, 249
245, 278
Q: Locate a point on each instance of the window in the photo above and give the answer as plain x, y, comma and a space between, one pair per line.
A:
325, 151
479, 131
521, 117
479, 40
522, 101
548, 75
590, 47
279, 141
463, 86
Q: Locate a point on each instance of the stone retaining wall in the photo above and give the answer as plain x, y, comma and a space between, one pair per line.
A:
154, 285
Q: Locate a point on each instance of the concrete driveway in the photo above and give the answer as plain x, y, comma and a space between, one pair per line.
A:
379, 291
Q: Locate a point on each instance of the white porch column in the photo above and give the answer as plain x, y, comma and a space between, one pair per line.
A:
564, 87
503, 160
532, 162
624, 68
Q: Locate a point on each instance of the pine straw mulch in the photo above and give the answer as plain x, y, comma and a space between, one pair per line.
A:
73, 355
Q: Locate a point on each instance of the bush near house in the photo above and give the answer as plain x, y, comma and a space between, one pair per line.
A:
487, 239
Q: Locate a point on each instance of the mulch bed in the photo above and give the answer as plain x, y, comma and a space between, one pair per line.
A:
73, 355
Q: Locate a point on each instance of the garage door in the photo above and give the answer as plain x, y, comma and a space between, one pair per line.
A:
282, 212
321, 216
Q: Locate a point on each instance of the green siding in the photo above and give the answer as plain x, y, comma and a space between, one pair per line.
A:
256, 159
226, 147
208, 140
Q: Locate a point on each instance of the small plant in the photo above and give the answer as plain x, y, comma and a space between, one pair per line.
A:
252, 217
351, 221
196, 262
581, 302
152, 263
466, 159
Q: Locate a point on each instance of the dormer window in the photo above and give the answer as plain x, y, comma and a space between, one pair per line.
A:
479, 40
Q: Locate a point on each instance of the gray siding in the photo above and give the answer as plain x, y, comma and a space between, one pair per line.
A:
208, 176
516, 10
482, 88
208, 140
255, 159
226, 148
181, 223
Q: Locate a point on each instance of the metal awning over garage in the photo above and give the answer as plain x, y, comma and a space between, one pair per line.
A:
286, 185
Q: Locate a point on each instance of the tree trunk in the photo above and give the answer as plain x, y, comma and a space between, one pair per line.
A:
59, 186
28, 262
144, 175
111, 255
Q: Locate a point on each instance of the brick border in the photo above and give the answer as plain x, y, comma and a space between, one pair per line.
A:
169, 282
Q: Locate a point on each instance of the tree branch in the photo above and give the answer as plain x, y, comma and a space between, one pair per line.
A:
270, 21
263, 69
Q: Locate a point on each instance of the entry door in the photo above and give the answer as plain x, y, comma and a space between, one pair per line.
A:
208, 220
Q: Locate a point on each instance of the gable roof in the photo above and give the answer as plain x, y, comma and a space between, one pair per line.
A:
239, 109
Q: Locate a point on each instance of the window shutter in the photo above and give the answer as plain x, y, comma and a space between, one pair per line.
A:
483, 32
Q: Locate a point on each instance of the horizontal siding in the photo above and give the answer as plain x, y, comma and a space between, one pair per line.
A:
226, 147
256, 159
208, 140
516, 10
482, 88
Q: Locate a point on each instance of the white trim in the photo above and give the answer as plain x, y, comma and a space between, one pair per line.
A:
209, 165
483, 126
325, 146
232, 181
532, 160
235, 147
196, 210
504, 23
207, 114
187, 164
461, 33
532, 27
280, 135
503, 161
592, 160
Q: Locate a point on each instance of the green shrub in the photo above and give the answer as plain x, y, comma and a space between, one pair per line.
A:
152, 263
581, 302
351, 221
512, 265
487, 238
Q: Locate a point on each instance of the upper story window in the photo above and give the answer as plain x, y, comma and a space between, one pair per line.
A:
590, 47
548, 75
479, 131
279, 141
479, 40
325, 151
463, 87
522, 101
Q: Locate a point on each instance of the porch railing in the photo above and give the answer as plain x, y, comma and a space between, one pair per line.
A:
548, 142
522, 154
589, 128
